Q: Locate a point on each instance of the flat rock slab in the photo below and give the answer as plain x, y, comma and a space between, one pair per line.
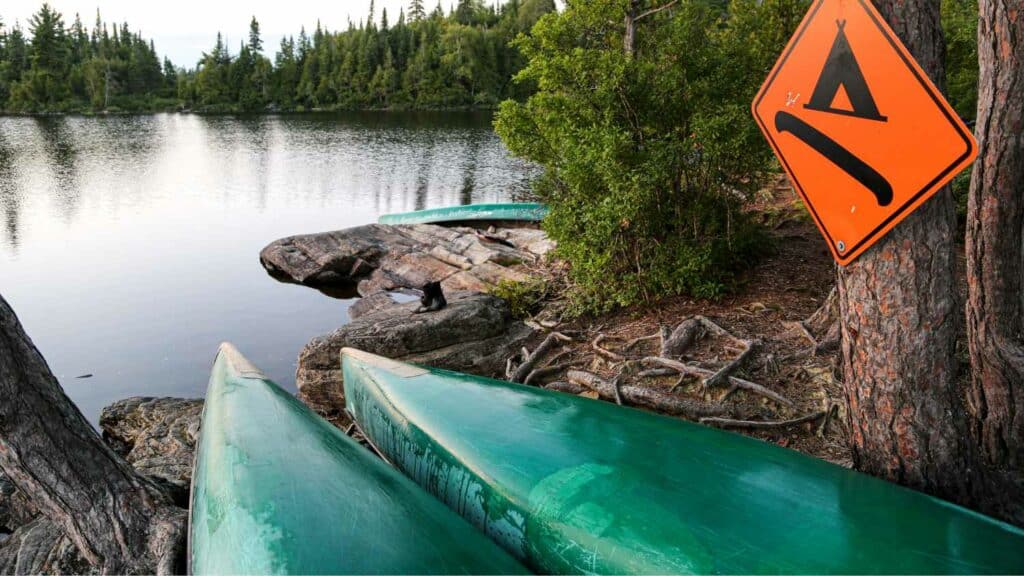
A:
475, 333
379, 258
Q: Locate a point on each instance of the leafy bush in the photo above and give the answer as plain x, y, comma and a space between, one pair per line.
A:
649, 156
524, 298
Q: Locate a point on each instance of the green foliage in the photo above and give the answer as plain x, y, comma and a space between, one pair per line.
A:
524, 298
960, 26
649, 157
428, 61
67, 68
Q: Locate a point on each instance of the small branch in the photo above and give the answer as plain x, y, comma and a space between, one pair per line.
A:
763, 425
616, 383
653, 11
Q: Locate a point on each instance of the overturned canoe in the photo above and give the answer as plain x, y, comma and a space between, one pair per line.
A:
572, 485
277, 490
471, 213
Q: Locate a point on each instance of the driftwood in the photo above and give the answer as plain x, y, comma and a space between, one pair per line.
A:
647, 397
119, 521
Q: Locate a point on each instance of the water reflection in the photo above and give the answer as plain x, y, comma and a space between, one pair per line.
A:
130, 245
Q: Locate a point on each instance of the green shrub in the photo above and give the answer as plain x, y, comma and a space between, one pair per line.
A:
649, 157
524, 298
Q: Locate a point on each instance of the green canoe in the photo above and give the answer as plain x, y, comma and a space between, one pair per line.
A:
571, 485
278, 490
509, 212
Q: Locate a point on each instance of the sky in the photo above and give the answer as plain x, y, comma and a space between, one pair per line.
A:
184, 29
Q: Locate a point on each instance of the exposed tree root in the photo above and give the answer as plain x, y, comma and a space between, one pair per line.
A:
724, 372
734, 381
563, 386
764, 424
825, 323
530, 359
604, 352
647, 397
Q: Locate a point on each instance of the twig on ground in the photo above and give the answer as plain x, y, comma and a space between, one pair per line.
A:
763, 424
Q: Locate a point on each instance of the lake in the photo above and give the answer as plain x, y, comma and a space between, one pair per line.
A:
129, 246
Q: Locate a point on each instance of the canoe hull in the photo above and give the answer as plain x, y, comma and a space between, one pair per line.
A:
571, 485
278, 490
472, 215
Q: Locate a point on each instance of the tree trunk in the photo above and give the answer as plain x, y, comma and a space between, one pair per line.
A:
995, 258
119, 521
629, 38
900, 317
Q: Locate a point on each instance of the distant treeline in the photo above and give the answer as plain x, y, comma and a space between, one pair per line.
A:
421, 60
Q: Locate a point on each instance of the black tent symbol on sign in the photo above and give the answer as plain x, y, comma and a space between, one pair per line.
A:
841, 70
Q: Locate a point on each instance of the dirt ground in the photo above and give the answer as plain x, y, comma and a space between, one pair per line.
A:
777, 292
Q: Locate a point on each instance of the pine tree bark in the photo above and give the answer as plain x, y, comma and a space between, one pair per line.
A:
995, 258
119, 521
899, 324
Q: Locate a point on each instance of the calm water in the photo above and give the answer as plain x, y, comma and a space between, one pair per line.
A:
129, 246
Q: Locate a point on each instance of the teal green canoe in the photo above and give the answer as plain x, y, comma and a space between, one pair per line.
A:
571, 485
278, 490
508, 212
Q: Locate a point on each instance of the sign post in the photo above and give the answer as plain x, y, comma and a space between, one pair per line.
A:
862, 133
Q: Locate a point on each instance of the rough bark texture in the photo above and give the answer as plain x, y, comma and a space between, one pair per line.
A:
995, 258
899, 325
118, 521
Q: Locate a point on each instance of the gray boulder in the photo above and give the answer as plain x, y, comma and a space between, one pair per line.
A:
475, 334
378, 258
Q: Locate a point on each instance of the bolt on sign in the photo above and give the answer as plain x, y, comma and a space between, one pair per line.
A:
861, 131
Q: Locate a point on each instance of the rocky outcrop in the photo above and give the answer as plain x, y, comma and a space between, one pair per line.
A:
157, 436
379, 258
475, 333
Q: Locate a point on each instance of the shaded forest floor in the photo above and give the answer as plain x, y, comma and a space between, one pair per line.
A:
773, 296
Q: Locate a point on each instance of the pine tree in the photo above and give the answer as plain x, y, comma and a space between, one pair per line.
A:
255, 42
416, 11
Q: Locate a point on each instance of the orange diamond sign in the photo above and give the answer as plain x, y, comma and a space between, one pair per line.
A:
863, 134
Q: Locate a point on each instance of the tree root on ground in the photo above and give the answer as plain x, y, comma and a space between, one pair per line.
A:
530, 360
647, 397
